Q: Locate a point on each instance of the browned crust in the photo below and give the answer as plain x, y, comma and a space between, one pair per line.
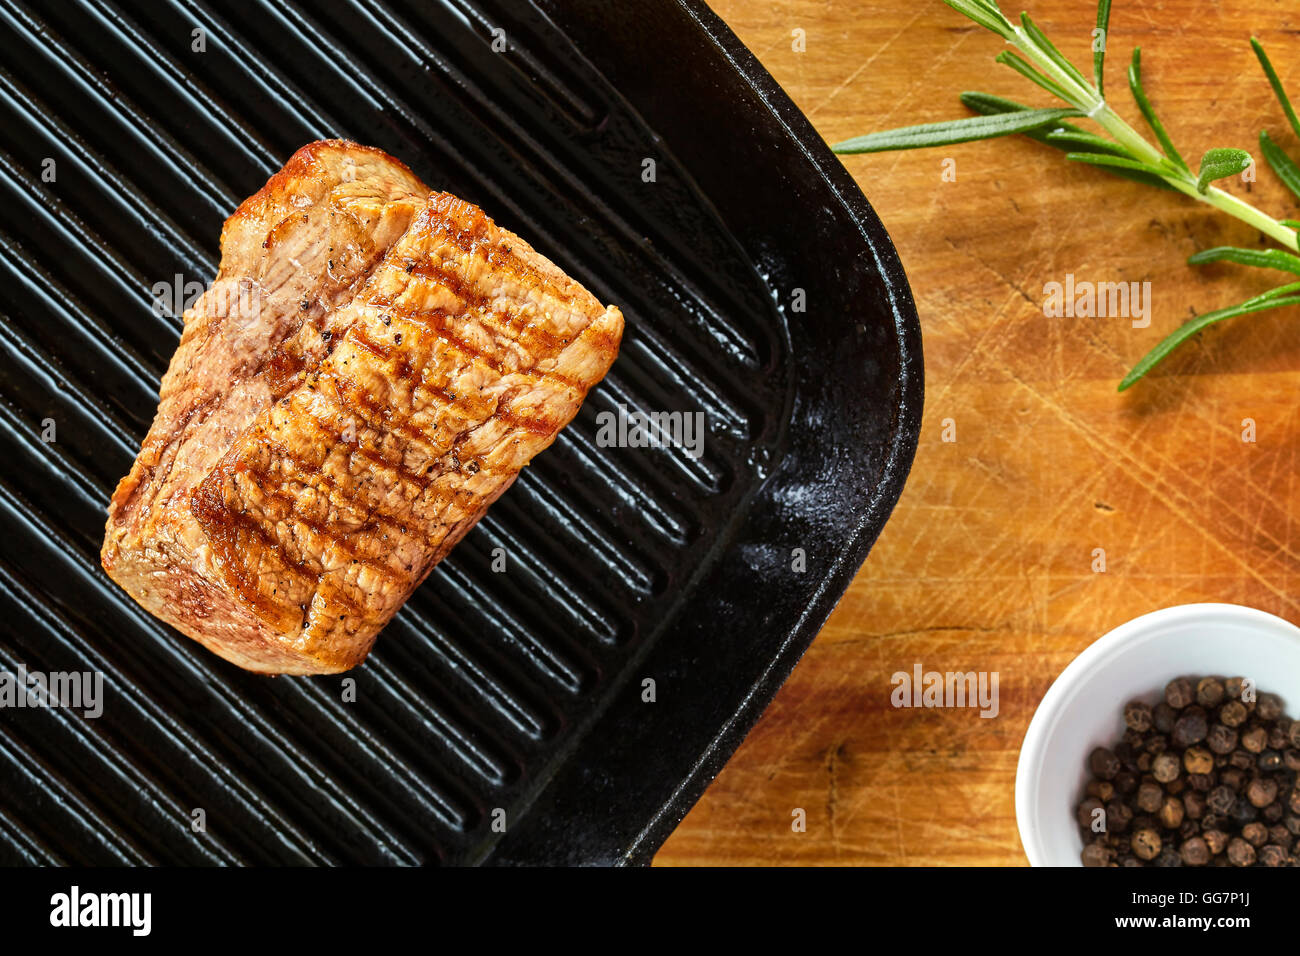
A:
299, 167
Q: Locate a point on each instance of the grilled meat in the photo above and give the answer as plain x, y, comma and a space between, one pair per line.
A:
316, 455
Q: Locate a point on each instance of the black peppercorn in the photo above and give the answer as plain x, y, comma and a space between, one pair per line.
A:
1254, 739
1232, 714
1269, 761
1232, 687
1193, 804
1221, 739
1280, 835
1189, 729
1256, 834
1171, 813
1216, 840
1118, 816
1137, 716
1240, 853
1196, 759
1194, 852
1147, 843
1096, 854
1221, 799
1210, 692
1104, 763
1269, 707
1179, 693
1272, 855
1291, 758
1126, 781
1261, 791
1165, 767
1150, 797
1101, 789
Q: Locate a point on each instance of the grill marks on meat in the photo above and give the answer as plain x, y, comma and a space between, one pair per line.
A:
458, 357
291, 255
467, 352
307, 238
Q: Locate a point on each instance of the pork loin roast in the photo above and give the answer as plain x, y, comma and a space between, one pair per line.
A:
371, 368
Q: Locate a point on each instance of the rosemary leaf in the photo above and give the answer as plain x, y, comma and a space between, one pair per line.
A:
984, 13
953, 131
1144, 104
1117, 162
1099, 56
1050, 51
1025, 69
1275, 300
1276, 84
1279, 259
987, 104
1220, 163
1090, 142
1280, 162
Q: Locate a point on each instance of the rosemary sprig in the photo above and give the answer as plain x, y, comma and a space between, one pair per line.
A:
1118, 148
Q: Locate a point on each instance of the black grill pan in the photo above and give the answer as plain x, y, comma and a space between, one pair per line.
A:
758, 288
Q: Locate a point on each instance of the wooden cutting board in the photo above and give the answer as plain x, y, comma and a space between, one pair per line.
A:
988, 561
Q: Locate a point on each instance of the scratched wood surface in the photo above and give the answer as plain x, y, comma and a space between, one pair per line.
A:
987, 561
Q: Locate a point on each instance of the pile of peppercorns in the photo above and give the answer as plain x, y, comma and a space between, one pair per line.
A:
1203, 778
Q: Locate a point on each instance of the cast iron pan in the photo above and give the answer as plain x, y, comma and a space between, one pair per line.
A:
570, 709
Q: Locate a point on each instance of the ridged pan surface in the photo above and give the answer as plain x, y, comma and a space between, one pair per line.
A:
566, 709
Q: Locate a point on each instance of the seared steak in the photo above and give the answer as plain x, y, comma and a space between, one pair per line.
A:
313, 459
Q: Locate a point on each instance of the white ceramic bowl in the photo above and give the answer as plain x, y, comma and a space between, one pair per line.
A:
1083, 708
